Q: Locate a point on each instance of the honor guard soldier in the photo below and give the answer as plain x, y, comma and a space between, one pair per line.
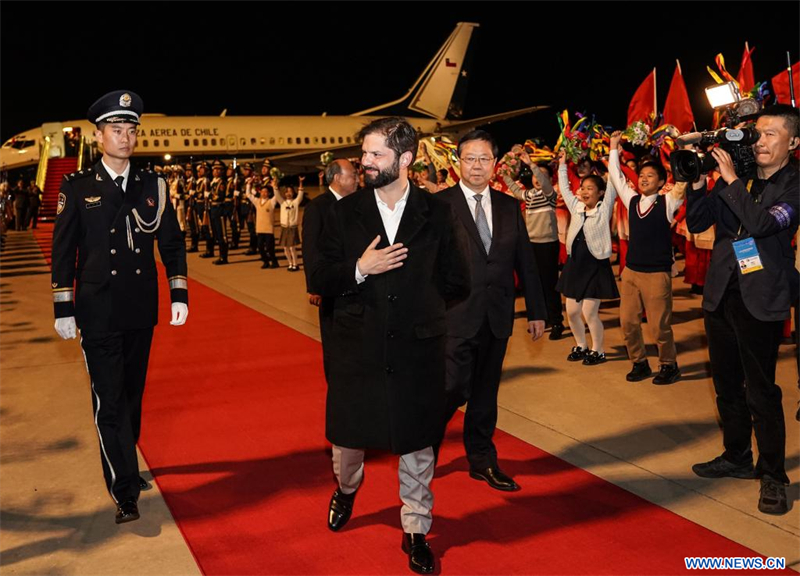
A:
201, 200
231, 200
191, 208
215, 207
105, 284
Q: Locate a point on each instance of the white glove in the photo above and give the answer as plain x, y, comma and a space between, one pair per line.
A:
66, 327
206, 194
179, 313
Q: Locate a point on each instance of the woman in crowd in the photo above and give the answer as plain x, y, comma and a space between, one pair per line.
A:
265, 227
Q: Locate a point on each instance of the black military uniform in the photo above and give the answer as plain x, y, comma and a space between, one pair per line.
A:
201, 202
112, 290
191, 208
216, 214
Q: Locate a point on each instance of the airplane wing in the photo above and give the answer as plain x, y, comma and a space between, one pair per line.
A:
463, 126
309, 160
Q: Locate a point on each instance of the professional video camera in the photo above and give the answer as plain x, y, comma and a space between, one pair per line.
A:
688, 165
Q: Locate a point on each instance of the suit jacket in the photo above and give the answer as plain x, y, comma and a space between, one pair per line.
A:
313, 223
117, 285
771, 221
386, 377
492, 294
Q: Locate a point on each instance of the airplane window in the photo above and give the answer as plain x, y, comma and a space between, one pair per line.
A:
196, 142
262, 140
341, 140
145, 143
333, 140
205, 141
280, 140
244, 142
156, 142
272, 140
298, 141
324, 140
316, 140
307, 142
291, 140
253, 141
222, 142
185, 141
166, 142
213, 141
349, 140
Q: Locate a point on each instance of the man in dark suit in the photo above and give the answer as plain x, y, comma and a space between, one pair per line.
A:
392, 258
108, 217
479, 327
750, 288
342, 181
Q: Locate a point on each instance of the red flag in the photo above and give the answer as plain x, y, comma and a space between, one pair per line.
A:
677, 110
780, 84
745, 78
642, 105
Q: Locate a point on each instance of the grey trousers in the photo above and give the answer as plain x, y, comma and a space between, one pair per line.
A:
415, 471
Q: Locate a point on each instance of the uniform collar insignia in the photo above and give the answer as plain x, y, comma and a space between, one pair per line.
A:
98, 177
136, 177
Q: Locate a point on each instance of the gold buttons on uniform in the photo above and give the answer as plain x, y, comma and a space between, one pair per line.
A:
113, 272
113, 230
137, 250
113, 250
138, 271
136, 230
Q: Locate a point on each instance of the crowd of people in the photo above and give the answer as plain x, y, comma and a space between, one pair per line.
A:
415, 268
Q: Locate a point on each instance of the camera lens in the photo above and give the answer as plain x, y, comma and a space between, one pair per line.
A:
688, 165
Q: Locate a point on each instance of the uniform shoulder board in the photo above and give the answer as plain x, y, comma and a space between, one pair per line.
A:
78, 175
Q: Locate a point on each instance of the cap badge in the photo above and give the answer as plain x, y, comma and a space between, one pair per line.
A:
125, 100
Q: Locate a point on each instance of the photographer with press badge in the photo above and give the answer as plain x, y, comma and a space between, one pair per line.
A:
750, 289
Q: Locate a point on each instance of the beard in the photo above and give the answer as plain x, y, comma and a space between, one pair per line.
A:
384, 177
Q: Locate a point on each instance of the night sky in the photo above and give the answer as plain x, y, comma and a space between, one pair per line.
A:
252, 58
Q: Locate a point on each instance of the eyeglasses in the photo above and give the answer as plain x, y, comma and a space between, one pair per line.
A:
470, 160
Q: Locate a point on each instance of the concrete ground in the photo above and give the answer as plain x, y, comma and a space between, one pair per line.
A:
56, 517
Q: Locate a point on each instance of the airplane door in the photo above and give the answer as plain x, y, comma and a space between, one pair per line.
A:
232, 143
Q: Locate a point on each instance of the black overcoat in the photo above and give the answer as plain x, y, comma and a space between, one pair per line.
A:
386, 377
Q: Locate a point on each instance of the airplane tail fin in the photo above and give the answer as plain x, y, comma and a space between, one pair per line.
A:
440, 90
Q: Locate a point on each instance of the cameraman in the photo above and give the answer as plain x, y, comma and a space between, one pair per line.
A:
750, 288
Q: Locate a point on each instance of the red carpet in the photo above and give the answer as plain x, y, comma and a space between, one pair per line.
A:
233, 433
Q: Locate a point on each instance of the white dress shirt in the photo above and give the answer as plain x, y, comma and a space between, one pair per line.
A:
114, 175
391, 220
472, 203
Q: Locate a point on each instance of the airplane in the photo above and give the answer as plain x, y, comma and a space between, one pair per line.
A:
433, 105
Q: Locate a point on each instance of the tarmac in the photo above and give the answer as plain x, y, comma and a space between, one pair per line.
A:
57, 518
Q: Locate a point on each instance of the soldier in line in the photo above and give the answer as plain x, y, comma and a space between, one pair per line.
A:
215, 203
191, 207
242, 207
201, 194
231, 198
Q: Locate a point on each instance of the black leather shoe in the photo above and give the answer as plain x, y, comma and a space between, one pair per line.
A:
144, 485
667, 374
494, 478
340, 509
577, 354
127, 511
593, 358
192, 249
772, 499
640, 371
420, 556
219, 261
250, 252
207, 255
719, 467
556, 332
